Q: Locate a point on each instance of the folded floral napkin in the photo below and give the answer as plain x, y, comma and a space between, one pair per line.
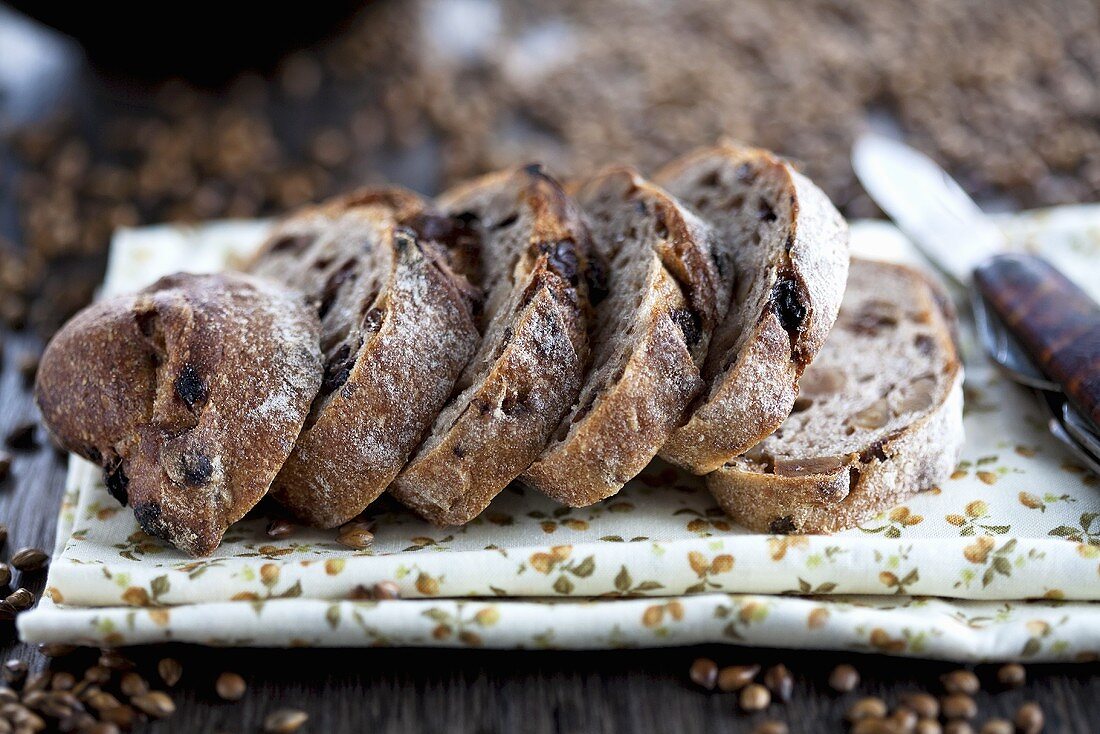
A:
1017, 520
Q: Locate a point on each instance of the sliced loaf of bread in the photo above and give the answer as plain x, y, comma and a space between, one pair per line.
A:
533, 354
653, 323
398, 327
879, 416
787, 249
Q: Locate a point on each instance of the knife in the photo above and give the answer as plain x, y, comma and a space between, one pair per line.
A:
1055, 322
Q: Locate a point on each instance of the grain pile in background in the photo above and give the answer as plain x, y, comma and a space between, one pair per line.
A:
426, 93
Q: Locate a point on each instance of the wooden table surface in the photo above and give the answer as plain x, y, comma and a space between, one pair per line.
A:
402, 690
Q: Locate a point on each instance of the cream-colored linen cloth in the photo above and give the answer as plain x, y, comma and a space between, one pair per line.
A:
1018, 520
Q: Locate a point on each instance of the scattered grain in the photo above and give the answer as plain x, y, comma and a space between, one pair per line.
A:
280, 528
230, 686
844, 678
771, 727
1029, 718
928, 726
961, 681
866, 708
157, 704
22, 599
997, 726
780, 682
754, 697
958, 706
1012, 675
355, 535
30, 560
170, 671
285, 721
132, 684
56, 649
924, 705
736, 677
903, 720
97, 675
704, 673
63, 680
14, 672
958, 727
114, 660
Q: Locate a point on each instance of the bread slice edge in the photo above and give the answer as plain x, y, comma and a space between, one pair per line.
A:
913, 458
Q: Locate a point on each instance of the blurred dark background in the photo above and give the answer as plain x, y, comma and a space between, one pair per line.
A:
133, 113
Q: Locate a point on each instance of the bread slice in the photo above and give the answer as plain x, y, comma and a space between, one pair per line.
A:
529, 367
663, 297
879, 417
188, 393
787, 249
397, 330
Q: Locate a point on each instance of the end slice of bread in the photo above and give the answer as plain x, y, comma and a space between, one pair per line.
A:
534, 350
189, 394
785, 247
879, 416
653, 323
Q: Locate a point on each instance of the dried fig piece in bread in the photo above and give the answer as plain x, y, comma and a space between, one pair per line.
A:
884, 420
651, 334
189, 394
785, 247
531, 360
397, 327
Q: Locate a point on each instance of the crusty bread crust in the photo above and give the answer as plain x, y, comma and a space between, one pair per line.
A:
415, 332
529, 367
912, 458
644, 379
919, 458
753, 375
189, 393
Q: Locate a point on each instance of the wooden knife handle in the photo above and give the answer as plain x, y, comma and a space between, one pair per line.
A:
1054, 320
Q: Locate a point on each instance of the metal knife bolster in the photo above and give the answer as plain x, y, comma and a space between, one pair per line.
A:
1053, 319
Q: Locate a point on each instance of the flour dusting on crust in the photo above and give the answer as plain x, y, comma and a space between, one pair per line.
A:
652, 330
397, 329
189, 393
785, 250
533, 351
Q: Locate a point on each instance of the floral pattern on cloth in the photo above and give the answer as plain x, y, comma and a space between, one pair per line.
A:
1017, 520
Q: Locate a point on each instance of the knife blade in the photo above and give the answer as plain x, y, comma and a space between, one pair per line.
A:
1054, 320
927, 205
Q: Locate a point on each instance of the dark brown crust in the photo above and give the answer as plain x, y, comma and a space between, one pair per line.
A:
519, 388
403, 372
189, 393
